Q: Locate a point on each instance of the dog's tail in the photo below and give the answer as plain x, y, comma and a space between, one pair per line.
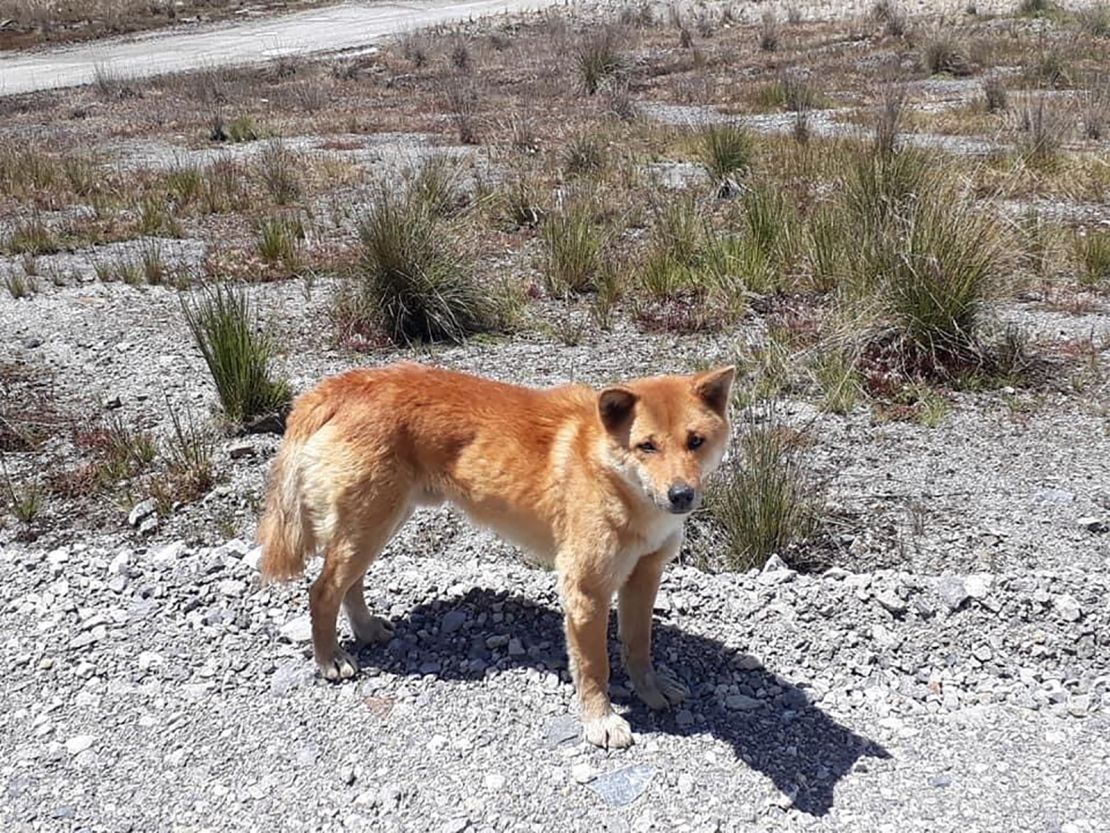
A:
287, 530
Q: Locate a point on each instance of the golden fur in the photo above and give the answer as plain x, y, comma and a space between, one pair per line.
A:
595, 483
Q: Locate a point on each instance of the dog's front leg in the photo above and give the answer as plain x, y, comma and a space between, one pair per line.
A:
657, 689
586, 606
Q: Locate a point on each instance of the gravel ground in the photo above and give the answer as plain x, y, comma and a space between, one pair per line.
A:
161, 687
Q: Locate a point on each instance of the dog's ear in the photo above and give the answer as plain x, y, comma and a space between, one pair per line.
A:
615, 406
713, 387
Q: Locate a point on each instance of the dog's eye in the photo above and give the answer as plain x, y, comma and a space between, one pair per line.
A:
695, 442
647, 446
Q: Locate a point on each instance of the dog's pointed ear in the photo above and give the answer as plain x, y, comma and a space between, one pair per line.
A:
713, 387
615, 406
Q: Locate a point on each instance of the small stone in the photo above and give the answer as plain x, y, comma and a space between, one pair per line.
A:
112, 402
1067, 608
685, 717
741, 702
452, 621
289, 676
494, 781
141, 511
456, 825
149, 525
889, 600
774, 564
978, 585
239, 449
498, 640
685, 783
79, 743
516, 647
952, 592
582, 773
149, 659
298, 630
622, 787
1092, 524
940, 781
169, 553
1079, 705
120, 564
231, 587
253, 558
563, 729
983, 653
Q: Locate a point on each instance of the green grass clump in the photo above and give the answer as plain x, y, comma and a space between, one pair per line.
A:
227, 329
765, 499
573, 250
1092, 251
724, 149
414, 284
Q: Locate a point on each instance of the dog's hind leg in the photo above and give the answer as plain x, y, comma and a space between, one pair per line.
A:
367, 627
346, 559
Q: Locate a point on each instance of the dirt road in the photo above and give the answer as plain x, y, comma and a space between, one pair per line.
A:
331, 29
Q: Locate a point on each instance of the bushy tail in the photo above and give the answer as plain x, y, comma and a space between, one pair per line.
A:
287, 531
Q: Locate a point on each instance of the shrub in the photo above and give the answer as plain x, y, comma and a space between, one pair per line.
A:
585, 154
573, 248
764, 498
769, 36
279, 169
598, 57
33, 237
724, 149
995, 98
1093, 253
279, 240
226, 328
1095, 20
1043, 126
940, 276
412, 282
942, 53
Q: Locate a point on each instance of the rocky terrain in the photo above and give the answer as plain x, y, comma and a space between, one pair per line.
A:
936, 657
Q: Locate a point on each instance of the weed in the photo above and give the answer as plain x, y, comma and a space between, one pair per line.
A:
769, 33
226, 328
414, 283
1095, 20
1043, 126
995, 98
279, 239
573, 247
33, 237
942, 53
461, 101
599, 58
1092, 251
764, 498
724, 149
436, 186
279, 169
154, 266
19, 285
190, 472
836, 375
585, 154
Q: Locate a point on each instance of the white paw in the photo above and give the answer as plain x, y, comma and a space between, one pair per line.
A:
339, 666
610, 731
372, 630
659, 689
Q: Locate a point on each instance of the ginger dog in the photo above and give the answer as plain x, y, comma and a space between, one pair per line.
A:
597, 483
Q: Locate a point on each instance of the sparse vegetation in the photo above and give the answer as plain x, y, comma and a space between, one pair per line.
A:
1092, 251
724, 149
573, 248
227, 330
414, 284
765, 500
599, 58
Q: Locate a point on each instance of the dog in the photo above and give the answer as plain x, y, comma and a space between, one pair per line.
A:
596, 483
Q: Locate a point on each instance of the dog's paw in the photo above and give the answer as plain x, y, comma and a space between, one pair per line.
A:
339, 666
659, 689
372, 630
610, 731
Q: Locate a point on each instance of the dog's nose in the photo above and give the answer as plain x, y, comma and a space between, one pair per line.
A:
681, 496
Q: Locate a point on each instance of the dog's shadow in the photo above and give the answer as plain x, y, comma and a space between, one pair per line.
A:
801, 749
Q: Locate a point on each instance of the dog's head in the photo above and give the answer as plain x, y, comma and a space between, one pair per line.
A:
666, 434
